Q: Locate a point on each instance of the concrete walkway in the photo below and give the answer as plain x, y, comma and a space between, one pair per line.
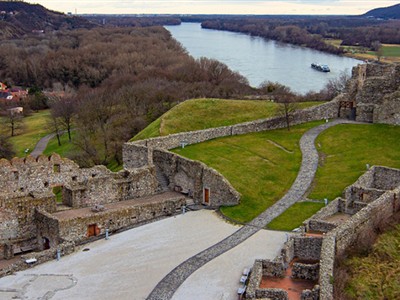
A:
166, 288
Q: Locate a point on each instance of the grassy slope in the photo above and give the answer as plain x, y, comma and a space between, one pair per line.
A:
377, 276
208, 113
345, 151
34, 128
260, 170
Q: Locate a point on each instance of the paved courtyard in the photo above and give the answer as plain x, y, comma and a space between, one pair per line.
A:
130, 264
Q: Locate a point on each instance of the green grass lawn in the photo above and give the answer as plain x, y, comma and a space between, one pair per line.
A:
391, 50
295, 215
262, 172
376, 276
34, 127
255, 165
208, 113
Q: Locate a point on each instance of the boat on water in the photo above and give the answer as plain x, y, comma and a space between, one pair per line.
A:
321, 68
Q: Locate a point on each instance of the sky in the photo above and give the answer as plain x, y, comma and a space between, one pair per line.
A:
308, 7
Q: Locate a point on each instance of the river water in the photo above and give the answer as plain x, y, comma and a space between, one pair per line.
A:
259, 59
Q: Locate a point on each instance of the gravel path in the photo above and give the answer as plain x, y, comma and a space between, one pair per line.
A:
166, 288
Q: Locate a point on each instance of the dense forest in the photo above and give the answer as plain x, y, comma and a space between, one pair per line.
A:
111, 81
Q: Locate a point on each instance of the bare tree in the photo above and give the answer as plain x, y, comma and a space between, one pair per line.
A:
13, 120
287, 104
6, 148
64, 109
336, 86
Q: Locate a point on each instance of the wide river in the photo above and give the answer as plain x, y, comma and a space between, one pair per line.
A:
259, 59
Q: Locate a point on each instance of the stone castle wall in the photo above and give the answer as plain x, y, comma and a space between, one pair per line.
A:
75, 229
193, 176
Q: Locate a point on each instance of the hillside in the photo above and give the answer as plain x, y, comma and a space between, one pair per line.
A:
200, 114
391, 12
18, 18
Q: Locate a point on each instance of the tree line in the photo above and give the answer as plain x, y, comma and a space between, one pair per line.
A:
311, 31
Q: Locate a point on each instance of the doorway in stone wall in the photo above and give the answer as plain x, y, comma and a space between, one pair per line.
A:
46, 243
206, 196
93, 230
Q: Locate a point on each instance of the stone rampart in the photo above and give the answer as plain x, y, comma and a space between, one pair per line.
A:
135, 153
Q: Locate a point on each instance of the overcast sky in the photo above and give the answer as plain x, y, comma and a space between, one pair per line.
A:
348, 7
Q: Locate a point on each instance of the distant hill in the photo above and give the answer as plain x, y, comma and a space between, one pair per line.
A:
391, 12
18, 18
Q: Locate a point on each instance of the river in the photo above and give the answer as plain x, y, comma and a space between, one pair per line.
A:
259, 59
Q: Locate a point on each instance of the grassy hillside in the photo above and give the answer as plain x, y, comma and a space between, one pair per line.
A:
376, 276
208, 113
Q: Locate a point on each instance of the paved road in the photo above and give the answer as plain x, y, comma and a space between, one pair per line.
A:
166, 288
41, 145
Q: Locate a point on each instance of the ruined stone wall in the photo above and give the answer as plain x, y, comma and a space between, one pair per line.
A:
192, 176
47, 228
273, 268
76, 229
375, 90
307, 248
82, 187
305, 271
317, 222
366, 220
66, 247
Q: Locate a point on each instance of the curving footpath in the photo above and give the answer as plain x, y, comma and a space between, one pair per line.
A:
41, 145
166, 288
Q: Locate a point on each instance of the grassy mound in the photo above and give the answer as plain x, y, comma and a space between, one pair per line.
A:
209, 113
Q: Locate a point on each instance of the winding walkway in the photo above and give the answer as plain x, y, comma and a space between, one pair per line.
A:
166, 288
